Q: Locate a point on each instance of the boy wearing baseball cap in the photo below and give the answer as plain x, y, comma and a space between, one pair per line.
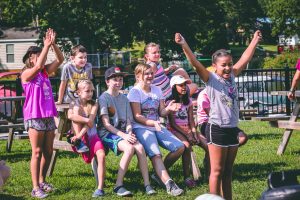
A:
116, 131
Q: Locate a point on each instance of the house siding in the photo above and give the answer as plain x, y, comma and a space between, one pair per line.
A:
20, 48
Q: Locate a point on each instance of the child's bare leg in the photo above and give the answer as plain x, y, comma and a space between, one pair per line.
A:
160, 168
128, 152
186, 159
217, 157
36, 140
100, 154
243, 138
142, 161
47, 154
172, 157
227, 175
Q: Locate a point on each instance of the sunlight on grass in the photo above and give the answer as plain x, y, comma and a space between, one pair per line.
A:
74, 180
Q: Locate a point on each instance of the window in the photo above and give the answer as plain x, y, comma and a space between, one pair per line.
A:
10, 57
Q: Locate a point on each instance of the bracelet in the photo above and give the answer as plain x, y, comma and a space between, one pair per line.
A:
292, 90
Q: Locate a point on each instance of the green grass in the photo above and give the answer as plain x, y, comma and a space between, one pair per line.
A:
74, 180
270, 47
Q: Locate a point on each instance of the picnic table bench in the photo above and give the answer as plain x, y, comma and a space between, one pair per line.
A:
289, 125
272, 119
62, 128
13, 123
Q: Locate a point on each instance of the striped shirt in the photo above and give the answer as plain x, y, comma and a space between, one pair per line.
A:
161, 80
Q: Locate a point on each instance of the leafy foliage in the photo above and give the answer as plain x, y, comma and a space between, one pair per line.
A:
284, 14
286, 59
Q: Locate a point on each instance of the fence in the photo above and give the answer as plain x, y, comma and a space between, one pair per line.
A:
254, 87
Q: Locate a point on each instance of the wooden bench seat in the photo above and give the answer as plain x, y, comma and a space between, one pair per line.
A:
62, 145
289, 125
247, 113
273, 120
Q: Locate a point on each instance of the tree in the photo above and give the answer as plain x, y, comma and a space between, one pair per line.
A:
104, 24
241, 15
284, 14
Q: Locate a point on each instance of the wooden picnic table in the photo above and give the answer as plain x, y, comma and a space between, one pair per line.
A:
63, 125
288, 125
12, 123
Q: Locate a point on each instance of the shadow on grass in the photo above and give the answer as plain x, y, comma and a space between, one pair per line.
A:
8, 197
16, 157
262, 136
248, 171
67, 154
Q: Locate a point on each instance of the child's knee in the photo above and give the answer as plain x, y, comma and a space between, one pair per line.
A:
129, 149
181, 149
37, 153
100, 155
139, 149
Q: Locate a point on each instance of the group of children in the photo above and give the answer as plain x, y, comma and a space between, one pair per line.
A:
131, 125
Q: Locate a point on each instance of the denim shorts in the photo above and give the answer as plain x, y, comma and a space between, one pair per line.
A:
111, 141
152, 139
40, 124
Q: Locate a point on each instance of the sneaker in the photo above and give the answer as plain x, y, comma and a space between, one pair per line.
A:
173, 189
190, 183
150, 190
157, 180
122, 191
46, 187
81, 147
98, 193
38, 193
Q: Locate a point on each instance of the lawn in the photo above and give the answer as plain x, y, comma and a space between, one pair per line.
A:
74, 180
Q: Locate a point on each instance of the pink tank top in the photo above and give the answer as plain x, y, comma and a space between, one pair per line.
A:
39, 102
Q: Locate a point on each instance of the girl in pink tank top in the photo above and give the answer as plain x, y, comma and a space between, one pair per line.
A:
39, 110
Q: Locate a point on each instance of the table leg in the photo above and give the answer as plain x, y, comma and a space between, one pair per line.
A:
288, 132
61, 128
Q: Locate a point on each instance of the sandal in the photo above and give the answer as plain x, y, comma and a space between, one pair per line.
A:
46, 187
190, 183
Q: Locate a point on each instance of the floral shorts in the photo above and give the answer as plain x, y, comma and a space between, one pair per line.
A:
41, 124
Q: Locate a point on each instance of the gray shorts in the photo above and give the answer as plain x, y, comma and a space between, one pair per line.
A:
41, 124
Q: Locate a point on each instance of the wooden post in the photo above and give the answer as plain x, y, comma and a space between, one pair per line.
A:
288, 132
63, 127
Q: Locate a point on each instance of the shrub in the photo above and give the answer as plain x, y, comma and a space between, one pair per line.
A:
287, 59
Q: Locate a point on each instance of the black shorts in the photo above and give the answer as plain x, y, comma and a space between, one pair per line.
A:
224, 137
202, 128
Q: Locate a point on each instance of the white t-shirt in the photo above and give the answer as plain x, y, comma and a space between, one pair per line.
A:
149, 103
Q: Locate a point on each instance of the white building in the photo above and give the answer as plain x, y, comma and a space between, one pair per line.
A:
14, 43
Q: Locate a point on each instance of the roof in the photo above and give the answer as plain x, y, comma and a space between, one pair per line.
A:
19, 33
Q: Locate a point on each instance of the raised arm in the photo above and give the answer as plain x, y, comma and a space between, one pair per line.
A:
61, 91
52, 67
198, 67
248, 54
30, 73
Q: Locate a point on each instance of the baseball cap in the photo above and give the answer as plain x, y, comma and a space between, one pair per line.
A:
114, 71
30, 50
178, 79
